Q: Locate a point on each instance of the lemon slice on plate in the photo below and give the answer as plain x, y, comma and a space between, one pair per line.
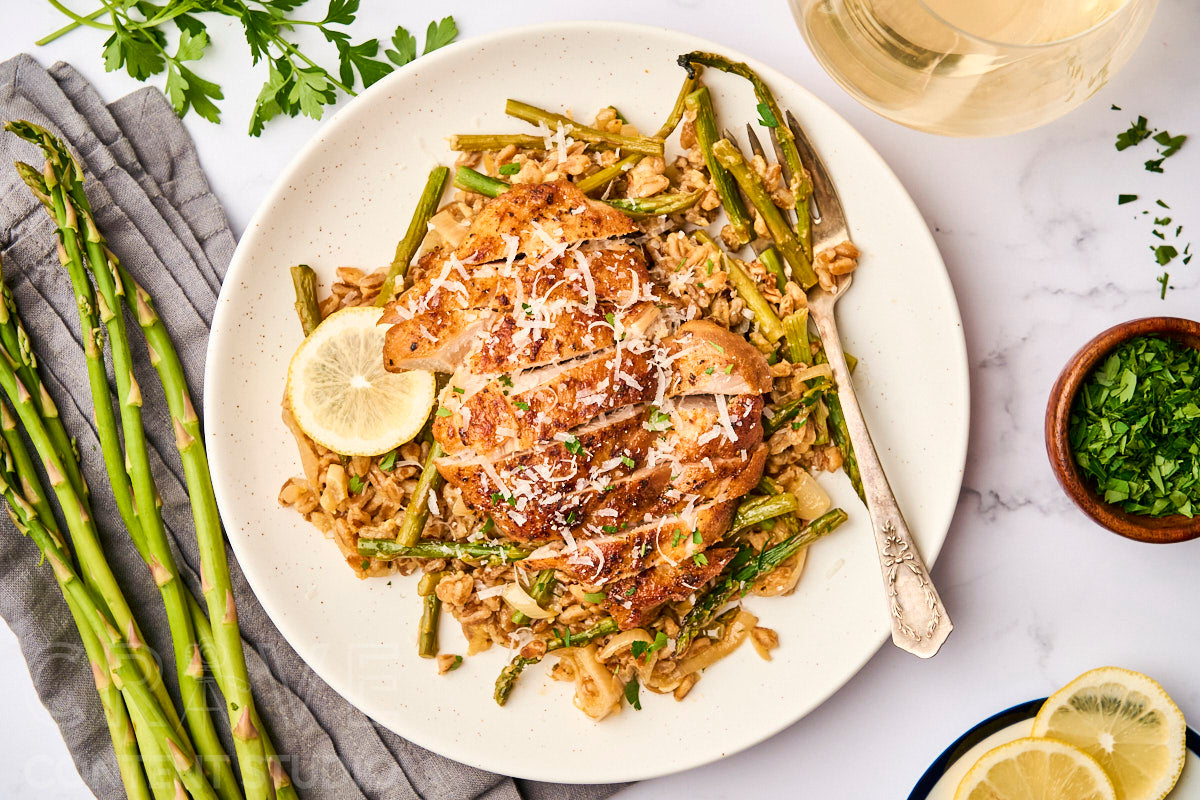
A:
1036, 769
1124, 720
343, 398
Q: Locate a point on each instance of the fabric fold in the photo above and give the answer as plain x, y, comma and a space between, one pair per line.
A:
163, 221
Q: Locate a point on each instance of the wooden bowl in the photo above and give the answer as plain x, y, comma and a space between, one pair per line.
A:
1159, 530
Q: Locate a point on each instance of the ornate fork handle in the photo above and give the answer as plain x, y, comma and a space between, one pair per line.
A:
919, 621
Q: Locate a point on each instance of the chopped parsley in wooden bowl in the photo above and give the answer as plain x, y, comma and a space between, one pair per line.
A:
1123, 429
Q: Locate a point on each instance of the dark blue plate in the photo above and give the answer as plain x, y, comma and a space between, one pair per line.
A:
991, 725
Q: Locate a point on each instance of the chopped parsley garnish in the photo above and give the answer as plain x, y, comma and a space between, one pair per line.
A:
1170, 144
766, 117
631, 694
455, 664
708, 265
642, 649
511, 168
1164, 253
610, 319
697, 538
627, 461
357, 484
521, 405
505, 381
458, 390
676, 538
388, 462
609, 528
1135, 427
658, 421
573, 446
571, 518
595, 597
700, 559
1154, 165
1137, 132
443, 411
631, 591
717, 347
709, 371
728, 369
1122, 199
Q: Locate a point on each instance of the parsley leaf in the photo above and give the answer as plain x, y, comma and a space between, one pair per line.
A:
439, 34
1171, 144
139, 51
521, 405
627, 461
700, 559
443, 411
631, 694
406, 47
573, 446
511, 168
766, 118
1164, 253
1122, 199
388, 462
357, 484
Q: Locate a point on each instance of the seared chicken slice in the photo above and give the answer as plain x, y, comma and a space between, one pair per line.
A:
513, 413
436, 321
535, 219
632, 601
518, 341
620, 493
641, 434
628, 551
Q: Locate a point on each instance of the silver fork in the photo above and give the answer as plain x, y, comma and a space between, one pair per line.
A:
920, 623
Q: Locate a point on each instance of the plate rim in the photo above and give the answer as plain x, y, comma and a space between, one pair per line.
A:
982, 730
773, 76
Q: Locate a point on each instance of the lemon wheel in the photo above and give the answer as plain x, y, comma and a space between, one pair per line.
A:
343, 398
1127, 722
1036, 769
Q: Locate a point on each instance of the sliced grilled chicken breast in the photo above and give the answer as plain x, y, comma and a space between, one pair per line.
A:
512, 413
642, 435
624, 552
632, 601
618, 496
535, 219
435, 322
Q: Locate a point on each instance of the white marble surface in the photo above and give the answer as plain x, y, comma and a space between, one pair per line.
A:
1042, 259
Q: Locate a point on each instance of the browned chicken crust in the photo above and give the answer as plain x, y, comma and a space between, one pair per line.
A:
539, 216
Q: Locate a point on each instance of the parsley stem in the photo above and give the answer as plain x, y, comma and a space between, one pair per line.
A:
89, 21
289, 47
70, 26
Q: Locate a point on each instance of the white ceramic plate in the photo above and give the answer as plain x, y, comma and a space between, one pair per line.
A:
347, 198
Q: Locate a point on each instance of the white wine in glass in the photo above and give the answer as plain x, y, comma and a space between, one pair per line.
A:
972, 67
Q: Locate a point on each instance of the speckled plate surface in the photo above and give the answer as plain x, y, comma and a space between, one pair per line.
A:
347, 198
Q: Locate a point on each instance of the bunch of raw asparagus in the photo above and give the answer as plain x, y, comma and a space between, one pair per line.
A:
161, 754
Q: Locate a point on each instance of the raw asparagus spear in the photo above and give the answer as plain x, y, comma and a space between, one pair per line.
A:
129, 471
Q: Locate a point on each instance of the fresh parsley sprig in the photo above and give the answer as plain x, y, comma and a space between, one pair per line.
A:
296, 83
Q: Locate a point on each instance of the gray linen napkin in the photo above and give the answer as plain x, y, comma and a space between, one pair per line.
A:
161, 218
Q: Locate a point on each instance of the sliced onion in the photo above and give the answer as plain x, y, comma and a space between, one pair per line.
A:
622, 640
735, 634
520, 600
811, 500
815, 371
